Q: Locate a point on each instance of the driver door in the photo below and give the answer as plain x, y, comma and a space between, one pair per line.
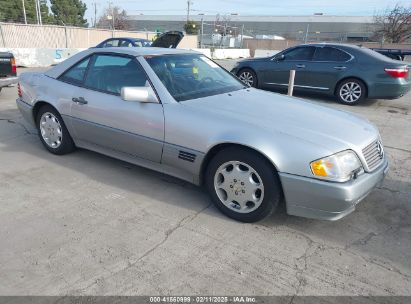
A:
100, 117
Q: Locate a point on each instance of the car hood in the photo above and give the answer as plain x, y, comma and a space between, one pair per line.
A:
334, 130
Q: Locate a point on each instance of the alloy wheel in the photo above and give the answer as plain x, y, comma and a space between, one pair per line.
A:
239, 187
247, 78
51, 130
350, 92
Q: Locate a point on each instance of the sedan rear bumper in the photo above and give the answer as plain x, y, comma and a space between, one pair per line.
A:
388, 90
311, 198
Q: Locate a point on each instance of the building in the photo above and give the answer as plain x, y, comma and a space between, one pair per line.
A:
315, 27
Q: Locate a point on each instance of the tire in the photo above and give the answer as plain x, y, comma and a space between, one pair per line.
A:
53, 132
249, 77
250, 192
351, 91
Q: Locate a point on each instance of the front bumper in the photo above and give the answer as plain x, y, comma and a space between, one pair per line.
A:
312, 198
4, 82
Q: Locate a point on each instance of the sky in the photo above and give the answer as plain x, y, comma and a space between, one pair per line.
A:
247, 7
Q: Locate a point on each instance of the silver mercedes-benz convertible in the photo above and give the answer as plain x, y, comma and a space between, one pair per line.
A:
178, 112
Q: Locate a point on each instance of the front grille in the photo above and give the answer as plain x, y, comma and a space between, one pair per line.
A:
373, 154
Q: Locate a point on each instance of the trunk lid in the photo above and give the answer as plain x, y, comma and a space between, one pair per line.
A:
169, 40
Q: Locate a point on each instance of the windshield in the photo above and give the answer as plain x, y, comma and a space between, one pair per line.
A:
191, 76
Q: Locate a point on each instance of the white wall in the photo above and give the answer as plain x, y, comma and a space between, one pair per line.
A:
39, 57
231, 53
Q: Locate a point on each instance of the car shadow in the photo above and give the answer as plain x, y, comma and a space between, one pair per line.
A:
319, 98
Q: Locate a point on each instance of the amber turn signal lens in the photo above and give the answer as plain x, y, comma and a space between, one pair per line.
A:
319, 168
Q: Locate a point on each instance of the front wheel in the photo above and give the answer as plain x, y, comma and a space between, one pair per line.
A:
249, 77
351, 91
243, 184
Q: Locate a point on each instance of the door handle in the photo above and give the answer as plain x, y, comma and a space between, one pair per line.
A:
300, 66
79, 100
340, 68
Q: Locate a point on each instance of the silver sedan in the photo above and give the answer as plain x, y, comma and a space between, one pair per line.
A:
179, 113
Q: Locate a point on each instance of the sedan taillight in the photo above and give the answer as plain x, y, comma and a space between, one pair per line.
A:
19, 93
397, 73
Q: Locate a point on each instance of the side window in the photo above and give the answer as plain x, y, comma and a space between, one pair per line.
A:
75, 75
300, 53
126, 43
330, 54
109, 73
112, 43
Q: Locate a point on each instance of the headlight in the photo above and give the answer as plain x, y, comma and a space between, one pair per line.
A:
339, 167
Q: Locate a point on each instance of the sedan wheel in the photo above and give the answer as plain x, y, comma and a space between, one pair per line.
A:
243, 184
53, 132
248, 77
351, 91
239, 186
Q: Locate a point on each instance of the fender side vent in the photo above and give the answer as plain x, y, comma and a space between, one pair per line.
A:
187, 156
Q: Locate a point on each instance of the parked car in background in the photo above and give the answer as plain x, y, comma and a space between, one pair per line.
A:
396, 54
124, 42
350, 73
178, 112
8, 69
169, 39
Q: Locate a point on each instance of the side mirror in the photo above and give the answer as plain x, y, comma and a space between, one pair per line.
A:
140, 94
280, 57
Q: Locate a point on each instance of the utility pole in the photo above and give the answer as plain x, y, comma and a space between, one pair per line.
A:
111, 9
202, 32
95, 14
306, 33
41, 21
24, 12
188, 9
242, 35
112, 15
37, 12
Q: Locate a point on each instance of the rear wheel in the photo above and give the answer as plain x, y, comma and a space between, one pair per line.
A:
351, 91
249, 77
243, 184
53, 132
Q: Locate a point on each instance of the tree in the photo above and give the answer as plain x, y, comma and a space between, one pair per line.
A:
394, 25
120, 19
69, 12
12, 11
191, 28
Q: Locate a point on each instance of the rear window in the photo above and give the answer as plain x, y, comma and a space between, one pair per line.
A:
304, 53
331, 54
75, 75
